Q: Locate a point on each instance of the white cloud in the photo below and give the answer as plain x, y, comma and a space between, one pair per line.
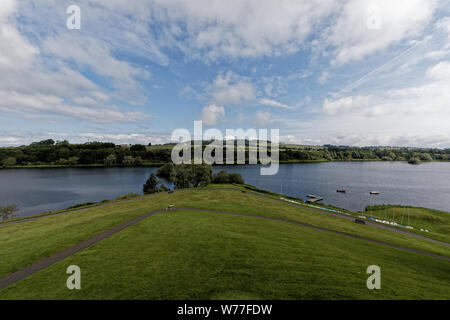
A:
333, 107
440, 71
324, 76
416, 114
39, 103
274, 103
15, 50
239, 28
399, 20
263, 118
94, 53
124, 138
39, 78
231, 89
274, 86
212, 114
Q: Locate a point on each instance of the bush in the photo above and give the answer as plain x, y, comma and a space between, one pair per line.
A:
192, 176
151, 185
9, 162
167, 171
235, 178
425, 157
223, 177
414, 161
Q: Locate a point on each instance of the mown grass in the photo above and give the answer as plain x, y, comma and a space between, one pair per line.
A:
25, 242
198, 255
437, 222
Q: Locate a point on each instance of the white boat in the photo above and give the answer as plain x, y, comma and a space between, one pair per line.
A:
374, 192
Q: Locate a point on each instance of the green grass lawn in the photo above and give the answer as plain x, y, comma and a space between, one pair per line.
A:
198, 255
23, 243
437, 222
26, 242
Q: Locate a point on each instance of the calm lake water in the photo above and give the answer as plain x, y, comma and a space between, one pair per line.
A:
427, 185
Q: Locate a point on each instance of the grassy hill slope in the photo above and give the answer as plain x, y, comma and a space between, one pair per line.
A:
201, 255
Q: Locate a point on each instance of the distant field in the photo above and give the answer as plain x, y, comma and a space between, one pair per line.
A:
199, 255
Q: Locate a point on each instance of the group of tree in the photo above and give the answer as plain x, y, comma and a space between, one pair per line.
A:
62, 153
223, 177
188, 176
153, 185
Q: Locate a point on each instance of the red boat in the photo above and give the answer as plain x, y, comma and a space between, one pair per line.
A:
341, 191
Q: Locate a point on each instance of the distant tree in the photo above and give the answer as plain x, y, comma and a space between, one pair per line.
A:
414, 161
8, 212
128, 161
221, 177
167, 171
202, 175
425, 157
9, 162
48, 142
151, 185
137, 147
236, 178
63, 143
192, 175
392, 155
138, 161
110, 160
182, 177
73, 160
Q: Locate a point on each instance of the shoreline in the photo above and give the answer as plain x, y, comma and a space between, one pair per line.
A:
158, 164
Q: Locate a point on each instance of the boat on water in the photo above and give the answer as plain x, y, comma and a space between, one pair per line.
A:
374, 192
341, 191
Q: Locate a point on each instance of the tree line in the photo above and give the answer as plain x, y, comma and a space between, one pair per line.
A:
63, 153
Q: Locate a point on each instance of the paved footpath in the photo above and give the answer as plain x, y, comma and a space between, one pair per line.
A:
46, 262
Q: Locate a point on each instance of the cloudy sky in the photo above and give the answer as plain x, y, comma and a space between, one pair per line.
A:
351, 72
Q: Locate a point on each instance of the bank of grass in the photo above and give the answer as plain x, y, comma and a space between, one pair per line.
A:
435, 221
77, 207
24, 243
198, 255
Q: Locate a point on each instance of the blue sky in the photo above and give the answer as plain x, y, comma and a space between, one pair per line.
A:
351, 72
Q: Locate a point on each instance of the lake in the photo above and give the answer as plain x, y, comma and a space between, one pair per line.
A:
427, 185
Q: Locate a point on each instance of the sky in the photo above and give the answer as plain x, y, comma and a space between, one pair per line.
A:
350, 72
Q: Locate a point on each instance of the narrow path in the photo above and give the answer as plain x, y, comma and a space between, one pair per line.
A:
46, 262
